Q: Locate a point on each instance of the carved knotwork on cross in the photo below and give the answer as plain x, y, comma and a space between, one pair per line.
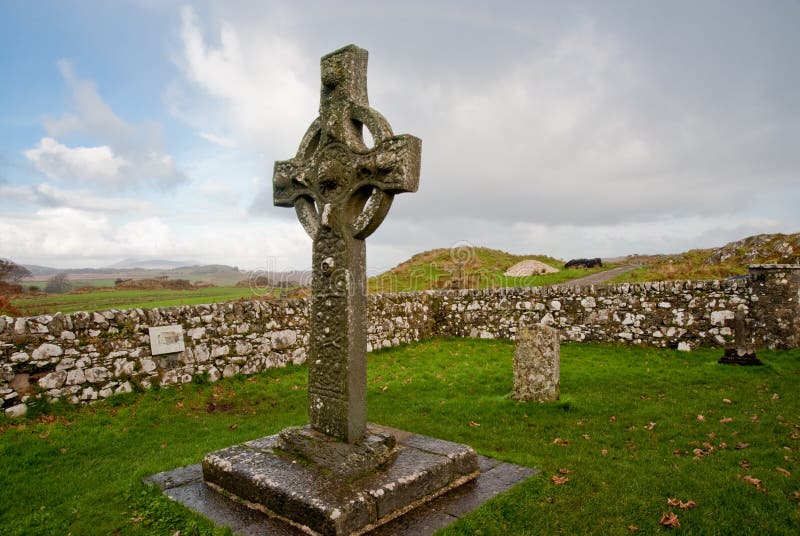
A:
341, 190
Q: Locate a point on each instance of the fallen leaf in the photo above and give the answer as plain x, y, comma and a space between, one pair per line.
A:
754, 418
727, 401
687, 505
678, 452
137, 519
775, 396
559, 480
783, 471
723, 445
744, 464
673, 502
561, 442
474, 424
750, 479
613, 418
563, 471
587, 437
740, 446
670, 520
604, 452
234, 426
178, 404
163, 445
44, 434
549, 500
650, 426
712, 435
177, 533
384, 388
632, 528
63, 450
796, 495
725, 420
701, 418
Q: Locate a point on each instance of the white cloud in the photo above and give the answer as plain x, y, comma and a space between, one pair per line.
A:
98, 165
258, 85
74, 238
219, 140
127, 155
220, 192
49, 196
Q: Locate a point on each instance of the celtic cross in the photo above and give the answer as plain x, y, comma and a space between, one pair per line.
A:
341, 190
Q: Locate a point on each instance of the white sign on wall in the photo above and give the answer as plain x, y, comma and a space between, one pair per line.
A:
166, 340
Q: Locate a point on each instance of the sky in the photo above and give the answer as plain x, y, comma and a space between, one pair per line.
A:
148, 129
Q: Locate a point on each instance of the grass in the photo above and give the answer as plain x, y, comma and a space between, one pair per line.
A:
126, 299
78, 470
76, 283
480, 268
688, 266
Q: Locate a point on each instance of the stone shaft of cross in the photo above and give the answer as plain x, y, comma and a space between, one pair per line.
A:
341, 191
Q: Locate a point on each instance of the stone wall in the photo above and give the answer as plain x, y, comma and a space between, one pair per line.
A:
776, 304
672, 314
81, 357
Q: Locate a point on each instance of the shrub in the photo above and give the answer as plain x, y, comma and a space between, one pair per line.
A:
58, 284
12, 272
7, 308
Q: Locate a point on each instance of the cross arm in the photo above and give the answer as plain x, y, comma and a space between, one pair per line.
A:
393, 166
289, 183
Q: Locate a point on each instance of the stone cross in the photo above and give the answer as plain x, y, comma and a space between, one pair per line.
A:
341, 190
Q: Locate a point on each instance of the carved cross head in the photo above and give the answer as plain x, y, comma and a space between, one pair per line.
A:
335, 180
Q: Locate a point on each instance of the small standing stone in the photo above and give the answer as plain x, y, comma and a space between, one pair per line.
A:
537, 363
742, 351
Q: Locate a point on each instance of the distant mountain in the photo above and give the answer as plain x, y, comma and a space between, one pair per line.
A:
155, 264
41, 271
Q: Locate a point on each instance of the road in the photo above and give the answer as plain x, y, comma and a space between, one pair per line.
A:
600, 277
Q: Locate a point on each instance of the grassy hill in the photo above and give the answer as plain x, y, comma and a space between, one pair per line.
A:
474, 267
716, 263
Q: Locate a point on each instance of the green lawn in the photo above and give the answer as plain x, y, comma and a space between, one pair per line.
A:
627, 422
127, 299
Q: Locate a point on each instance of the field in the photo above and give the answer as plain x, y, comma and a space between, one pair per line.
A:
103, 299
634, 428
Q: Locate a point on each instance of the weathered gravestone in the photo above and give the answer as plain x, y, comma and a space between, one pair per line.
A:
537, 362
741, 351
340, 474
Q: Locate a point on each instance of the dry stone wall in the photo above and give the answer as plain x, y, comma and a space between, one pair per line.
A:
81, 357
676, 314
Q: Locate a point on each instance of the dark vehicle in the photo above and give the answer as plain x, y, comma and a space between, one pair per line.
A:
584, 263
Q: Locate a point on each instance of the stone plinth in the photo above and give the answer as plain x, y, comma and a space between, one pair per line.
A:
776, 303
742, 351
740, 355
327, 495
537, 361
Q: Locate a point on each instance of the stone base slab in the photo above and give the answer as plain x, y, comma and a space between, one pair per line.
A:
186, 486
261, 475
740, 356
